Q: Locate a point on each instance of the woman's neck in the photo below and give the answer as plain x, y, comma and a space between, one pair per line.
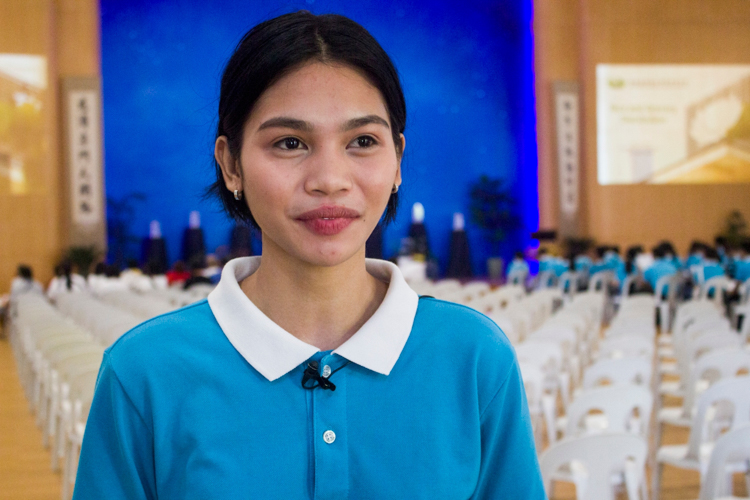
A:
322, 306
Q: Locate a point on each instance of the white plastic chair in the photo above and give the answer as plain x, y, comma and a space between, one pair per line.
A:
732, 447
602, 456
695, 454
624, 346
709, 368
616, 404
539, 400
717, 285
622, 371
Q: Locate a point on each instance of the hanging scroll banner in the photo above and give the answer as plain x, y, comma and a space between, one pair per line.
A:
567, 118
83, 127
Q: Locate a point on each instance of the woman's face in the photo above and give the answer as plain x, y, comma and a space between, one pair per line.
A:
318, 163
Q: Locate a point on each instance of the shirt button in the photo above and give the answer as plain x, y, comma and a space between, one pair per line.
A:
326, 371
329, 437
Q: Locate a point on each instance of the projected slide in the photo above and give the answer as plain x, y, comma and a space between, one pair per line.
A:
673, 124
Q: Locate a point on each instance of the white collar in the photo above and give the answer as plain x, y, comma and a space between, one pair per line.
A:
274, 352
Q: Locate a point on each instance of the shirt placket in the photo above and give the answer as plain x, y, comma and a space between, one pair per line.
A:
330, 434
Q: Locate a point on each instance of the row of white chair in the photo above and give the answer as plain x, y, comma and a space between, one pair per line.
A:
58, 362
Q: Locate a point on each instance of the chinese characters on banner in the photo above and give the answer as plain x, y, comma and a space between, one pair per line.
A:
85, 157
568, 156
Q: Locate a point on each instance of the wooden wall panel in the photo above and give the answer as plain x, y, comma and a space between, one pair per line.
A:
66, 32
556, 58
29, 223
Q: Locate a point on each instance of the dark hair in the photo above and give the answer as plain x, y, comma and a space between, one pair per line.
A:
25, 272
665, 248
630, 255
67, 268
711, 254
276, 47
100, 269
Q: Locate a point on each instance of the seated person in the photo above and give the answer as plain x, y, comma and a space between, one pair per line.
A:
709, 268
517, 267
696, 254
66, 280
178, 275
196, 276
663, 266
742, 263
24, 282
212, 271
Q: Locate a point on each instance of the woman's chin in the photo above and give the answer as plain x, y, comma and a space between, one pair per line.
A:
327, 255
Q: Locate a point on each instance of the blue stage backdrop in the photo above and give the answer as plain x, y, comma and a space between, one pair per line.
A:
467, 71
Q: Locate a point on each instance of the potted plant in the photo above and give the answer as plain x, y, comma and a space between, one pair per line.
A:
493, 210
82, 257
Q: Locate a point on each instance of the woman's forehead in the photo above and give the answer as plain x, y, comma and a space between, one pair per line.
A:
321, 94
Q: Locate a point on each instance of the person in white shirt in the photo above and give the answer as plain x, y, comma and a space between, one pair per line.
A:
66, 281
25, 282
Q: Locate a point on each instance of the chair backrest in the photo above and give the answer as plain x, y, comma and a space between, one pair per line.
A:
734, 446
506, 325
600, 279
735, 390
559, 333
623, 371
602, 455
713, 366
568, 282
546, 279
533, 381
639, 301
717, 285
710, 341
626, 346
544, 353
688, 310
662, 287
518, 277
743, 312
616, 403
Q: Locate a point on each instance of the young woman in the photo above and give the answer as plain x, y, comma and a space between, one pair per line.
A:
310, 372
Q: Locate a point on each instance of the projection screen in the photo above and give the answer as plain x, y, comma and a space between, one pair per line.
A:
673, 124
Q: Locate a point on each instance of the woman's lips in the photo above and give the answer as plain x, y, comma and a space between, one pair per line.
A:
327, 221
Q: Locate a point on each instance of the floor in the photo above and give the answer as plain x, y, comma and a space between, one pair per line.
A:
25, 472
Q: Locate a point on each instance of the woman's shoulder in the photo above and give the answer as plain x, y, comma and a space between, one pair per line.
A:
460, 328
167, 335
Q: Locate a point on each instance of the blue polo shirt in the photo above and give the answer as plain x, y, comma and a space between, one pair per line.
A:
742, 269
517, 266
660, 268
207, 403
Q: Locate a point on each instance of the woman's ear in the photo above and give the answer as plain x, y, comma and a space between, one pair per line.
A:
399, 156
230, 167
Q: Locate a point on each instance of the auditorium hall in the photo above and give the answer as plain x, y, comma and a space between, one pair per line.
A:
386, 249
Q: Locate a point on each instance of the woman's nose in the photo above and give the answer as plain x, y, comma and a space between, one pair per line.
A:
328, 172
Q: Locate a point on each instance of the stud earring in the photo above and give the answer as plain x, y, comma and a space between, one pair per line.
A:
237, 194
395, 189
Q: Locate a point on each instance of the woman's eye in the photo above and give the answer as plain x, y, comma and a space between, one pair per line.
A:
364, 141
289, 143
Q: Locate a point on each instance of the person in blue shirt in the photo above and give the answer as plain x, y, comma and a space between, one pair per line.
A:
663, 266
518, 269
310, 372
742, 262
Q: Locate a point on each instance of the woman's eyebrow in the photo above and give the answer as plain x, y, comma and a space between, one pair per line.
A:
303, 126
286, 122
365, 120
